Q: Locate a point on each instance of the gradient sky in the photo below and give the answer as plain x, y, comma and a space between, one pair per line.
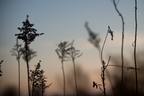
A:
64, 20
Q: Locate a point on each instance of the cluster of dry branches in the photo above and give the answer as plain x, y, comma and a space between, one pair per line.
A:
95, 40
66, 51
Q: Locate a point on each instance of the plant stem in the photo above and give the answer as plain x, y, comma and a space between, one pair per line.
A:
122, 45
109, 77
103, 66
63, 77
103, 81
73, 60
19, 77
101, 54
135, 46
42, 90
27, 63
18, 60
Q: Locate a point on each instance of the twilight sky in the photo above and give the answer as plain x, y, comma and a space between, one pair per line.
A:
64, 20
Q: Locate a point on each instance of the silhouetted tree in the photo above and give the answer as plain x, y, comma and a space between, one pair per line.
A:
16, 51
38, 81
62, 52
27, 35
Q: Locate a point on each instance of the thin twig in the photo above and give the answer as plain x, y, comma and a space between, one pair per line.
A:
63, 72
103, 66
122, 44
18, 60
135, 47
27, 63
74, 54
62, 52
75, 77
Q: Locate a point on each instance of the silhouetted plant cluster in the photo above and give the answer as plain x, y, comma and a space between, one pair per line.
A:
74, 54
39, 83
27, 35
30, 52
16, 51
62, 52
66, 51
95, 40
